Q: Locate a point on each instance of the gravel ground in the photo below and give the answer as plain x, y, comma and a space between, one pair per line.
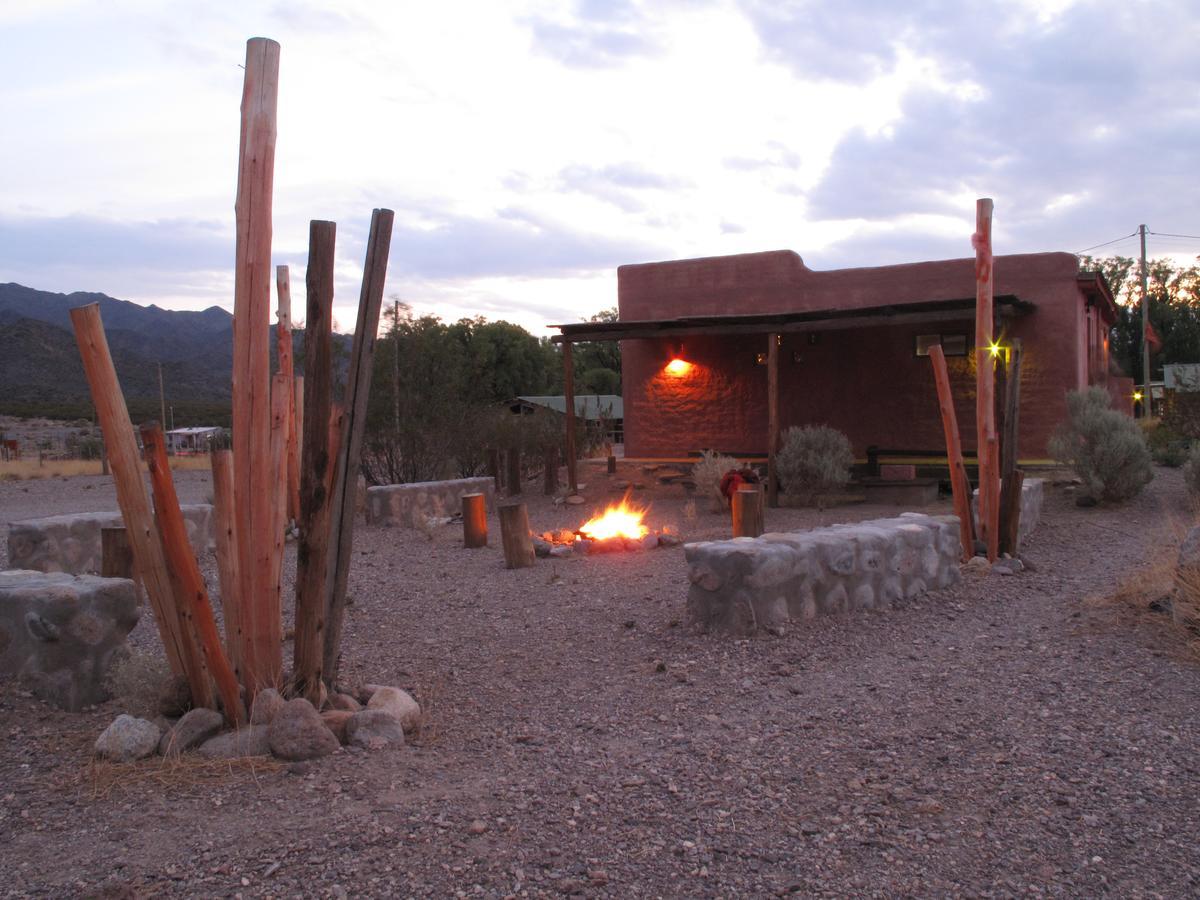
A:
1002, 738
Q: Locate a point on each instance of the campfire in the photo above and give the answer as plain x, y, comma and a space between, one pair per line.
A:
621, 526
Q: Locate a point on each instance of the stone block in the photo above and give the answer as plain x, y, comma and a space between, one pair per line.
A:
402, 504
60, 634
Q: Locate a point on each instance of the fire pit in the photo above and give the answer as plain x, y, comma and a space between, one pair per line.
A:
621, 527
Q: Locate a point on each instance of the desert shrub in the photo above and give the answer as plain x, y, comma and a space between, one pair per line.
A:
1191, 471
1167, 446
814, 460
136, 680
1105, 448
707, 473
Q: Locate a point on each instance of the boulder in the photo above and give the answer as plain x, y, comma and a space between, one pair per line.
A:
397, 703
267, 704
335, 720
175, 698
344, 702
250, 741
297, 733
196, 727
374, 729
128, 739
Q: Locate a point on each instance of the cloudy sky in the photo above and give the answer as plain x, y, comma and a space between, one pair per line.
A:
529, 148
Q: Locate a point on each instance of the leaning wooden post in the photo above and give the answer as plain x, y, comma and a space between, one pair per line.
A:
255, 480
772, 419
358, 387
960, 485
516, 537
225, 528
189, 583
474, 514
316, 474
131, 490
985, 410
1011, 478
747, 511
283, 351
569, 397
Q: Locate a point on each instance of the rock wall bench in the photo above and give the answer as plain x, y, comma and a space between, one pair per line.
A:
400, 504
746, 585
71, 543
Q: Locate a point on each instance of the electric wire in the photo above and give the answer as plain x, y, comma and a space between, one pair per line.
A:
1106, 243
1190, 237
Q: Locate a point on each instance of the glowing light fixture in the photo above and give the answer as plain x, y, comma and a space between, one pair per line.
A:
679, 366
995, 349
1137, 395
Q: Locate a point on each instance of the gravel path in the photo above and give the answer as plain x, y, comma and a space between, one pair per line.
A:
997, 739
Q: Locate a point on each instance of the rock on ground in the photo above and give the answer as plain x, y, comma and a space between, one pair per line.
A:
128, 739
374, 729
249, 741
267, 704
397, 703
335, 720
196, 727
297, 733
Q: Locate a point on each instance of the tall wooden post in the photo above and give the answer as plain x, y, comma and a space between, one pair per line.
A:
358, 387
550, 471
1011, 478
772, 419
191, 593
512, 460
225, 528
569, 397
316, 474
985, 410
283, 351
255, 480
118, 434
515, 536
960, 485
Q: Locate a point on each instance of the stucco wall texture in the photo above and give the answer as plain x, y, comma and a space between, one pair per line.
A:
865, 381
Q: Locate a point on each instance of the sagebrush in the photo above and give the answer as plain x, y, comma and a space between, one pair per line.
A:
1105, 448
707, 473
1191, 471
814, 460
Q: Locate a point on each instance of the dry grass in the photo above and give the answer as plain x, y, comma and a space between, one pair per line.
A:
26, 469
101, 778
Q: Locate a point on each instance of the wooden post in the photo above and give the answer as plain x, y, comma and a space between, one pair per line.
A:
960, 485
985, 410
772, 419
225, 528
611, 465
1011, 478
255, 480
516, 537
316, 473
358, 387
747, 508
494, 468
116, 555
131, 490
283, 350
569, 397
192, 595
298, 403
550, 471
474, 513
513, 461
271, 658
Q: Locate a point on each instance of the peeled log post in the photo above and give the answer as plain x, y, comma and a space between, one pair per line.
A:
192, 594
960, 485
516, 537
1010, 478
270, 653
349, 461
747, 511
550, 471
116, 556
1010, 513
985, 410
283, 351
474, 514
316, 473
255, 481
225, 528
513, 461
131, 490
494, 468
569, 408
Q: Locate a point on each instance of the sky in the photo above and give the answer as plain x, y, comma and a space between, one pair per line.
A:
529, 148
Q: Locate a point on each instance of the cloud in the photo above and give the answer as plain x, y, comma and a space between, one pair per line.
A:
598, 36
84, 240
620, 184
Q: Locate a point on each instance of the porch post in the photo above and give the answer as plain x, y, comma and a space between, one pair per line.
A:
569, 397
772, 419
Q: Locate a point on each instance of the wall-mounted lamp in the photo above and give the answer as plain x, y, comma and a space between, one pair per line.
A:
679, 367
1137, 396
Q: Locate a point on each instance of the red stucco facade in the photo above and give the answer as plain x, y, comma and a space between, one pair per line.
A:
865, 381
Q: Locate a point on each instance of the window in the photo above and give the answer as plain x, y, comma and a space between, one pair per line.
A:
952, 344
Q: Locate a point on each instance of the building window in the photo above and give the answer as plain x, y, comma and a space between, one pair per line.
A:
952, 344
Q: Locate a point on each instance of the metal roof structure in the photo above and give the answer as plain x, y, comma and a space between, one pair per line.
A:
587, 406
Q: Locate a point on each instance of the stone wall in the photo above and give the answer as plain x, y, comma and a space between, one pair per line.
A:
399, 504
72, 543
746, 585
60, 634
1032, 497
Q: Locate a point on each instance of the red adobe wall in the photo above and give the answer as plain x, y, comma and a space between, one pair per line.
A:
867, 382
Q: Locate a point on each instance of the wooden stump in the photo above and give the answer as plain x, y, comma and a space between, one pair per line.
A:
747, 509
515, 535
474, 513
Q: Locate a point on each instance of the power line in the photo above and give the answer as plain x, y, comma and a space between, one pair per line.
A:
1190, 237
1106, 243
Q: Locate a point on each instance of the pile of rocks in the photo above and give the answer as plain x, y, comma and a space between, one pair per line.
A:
291, 730
567, 543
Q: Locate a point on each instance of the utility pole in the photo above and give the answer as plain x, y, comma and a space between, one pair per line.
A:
162, 398
1146, 403
396, 364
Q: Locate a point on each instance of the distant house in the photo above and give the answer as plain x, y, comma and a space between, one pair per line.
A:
609, 408
191, 440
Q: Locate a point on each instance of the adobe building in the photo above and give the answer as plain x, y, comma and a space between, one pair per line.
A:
852, 349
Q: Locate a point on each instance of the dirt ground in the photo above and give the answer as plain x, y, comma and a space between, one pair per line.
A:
1006, 737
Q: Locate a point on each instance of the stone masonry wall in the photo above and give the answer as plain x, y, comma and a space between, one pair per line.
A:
1032, 497
72, 543
399, 504
746, 585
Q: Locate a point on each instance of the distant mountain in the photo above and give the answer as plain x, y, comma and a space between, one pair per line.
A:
41, 373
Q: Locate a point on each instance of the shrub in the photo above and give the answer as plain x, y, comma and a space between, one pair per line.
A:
1167, 446
707, 473
1105, 448
814, 460
1191, 471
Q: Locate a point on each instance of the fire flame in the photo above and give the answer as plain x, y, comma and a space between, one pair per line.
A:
622, 520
